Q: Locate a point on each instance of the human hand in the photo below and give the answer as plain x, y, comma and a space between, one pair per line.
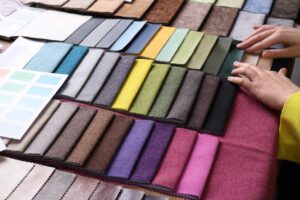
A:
266, 36
271, 88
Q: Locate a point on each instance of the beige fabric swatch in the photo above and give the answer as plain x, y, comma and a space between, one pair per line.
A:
106, 6
79, 4
250, 58
265, 63
135, 9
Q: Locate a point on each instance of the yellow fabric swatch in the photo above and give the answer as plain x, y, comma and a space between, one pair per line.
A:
289, 130
132, 84
157, 42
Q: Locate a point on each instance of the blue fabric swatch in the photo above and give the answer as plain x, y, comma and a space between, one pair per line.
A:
258, 6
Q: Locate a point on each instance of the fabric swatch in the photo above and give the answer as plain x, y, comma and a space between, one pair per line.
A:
84, 30
106, 191
168, 92
78, 4
93, 133
132, 85
135, 9
250, 58
186, 97
192, 15
279, 63
150, 89
285, 9
150, 197
123, 165
105, 6
153, 153
254, 6
163, 11
115, 81
131, 194
203, 102
265, 63
295, 73
105, 151
82, 73
157, 42
98, 77
187, 48
7, 7
217, 56
55, 3
202, 52
171, 169
205, 1
220, 21
143, 38
230, 3
49, 57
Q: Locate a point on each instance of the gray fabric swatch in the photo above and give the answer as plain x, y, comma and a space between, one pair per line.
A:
127, 194
149, 197
295, 74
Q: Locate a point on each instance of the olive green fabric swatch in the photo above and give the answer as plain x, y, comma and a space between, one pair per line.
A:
187, 48
217, 56
150, 89
202, 52
168, 92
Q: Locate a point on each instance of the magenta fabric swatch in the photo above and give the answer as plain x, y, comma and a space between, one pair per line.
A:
176, 158
199, 166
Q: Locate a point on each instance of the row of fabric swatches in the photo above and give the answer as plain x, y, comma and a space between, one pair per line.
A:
178, 12
27, 181
139, 152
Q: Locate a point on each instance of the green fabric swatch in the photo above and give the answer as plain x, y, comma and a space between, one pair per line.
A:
202, 52
150, 89
168, 92
217, 56
187, 48
231, 3
170, 48
234, 54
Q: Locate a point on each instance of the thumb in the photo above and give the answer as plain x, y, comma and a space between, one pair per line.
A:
283, 71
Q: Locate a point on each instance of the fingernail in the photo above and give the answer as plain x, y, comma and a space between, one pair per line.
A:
229, 78
236, 63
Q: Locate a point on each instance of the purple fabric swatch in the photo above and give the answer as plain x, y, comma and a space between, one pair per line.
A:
131, 148
153, 153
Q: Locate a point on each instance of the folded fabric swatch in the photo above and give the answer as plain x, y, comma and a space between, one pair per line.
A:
230, 3
192, 15
163, 11
244, 25
153, 153
93, 133
187, 48
52, 129
265, 63
157, 42
95, 36
285, 9
133, 144
234, 54
50, 189
150, 197
256, 6
217, 56
82, 73
56, 3
171, 170
105, 151
220, 20
105, 6
131, 194
84, 30
132, 84
49, 57
135, 9
250, 58
202, 51
150, 89
128, 35
203, 102
170, 48
168, 92
115, 81
62, 146
143, 38
72, 60
78, 4
186, 96
106, 191
114, 34
8, 7
295, 74
98, 77
217, 117
198, 168
205, 1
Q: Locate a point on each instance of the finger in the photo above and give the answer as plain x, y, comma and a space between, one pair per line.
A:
238, 64
255, 38
288, 52
240, 81
245, 71
262, 28
265, 43
283, 72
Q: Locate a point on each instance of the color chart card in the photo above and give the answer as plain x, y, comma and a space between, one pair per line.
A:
23, 95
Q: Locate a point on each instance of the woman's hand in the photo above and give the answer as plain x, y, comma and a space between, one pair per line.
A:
266, 36
269, 87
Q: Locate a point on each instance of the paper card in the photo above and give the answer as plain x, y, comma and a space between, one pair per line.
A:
23, 95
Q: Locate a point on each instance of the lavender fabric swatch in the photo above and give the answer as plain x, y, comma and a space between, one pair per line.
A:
131, 148
153, 153
258, 6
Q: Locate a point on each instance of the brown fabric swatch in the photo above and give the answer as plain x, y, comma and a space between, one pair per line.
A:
136, 9
285, 9
163, 11
220, 21
106, 6
67, 139
108, 146
90, 137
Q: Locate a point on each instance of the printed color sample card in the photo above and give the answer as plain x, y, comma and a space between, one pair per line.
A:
23, 95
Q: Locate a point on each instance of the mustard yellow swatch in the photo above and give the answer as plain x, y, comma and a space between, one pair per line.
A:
157, 42
132, 84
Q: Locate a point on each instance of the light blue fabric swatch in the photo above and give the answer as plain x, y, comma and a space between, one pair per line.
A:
258, 6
